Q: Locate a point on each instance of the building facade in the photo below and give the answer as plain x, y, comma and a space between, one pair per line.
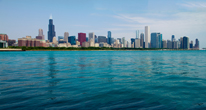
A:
4, 37
102, 39
72, 40
109, 39
185, 42
142, 40
81, 38
51, 32
66, 35
147, 37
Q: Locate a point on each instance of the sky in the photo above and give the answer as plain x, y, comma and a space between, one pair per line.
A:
21, 18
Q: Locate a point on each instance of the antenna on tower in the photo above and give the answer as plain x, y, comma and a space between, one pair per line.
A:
50, 16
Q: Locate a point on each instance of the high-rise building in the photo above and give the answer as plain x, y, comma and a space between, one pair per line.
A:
185, 42
169, 44
137, 34
173, 40
160, 41
96, 39
72, 40
41, 34
102, 39
147, 37
164, 44
155, 40
120, 41
109, 39
137, 43
51, 32
191, 44
81, 38
133, 42
142, 40
197, 44
123, 41
91, 36
66, 35
181, 42
60, 37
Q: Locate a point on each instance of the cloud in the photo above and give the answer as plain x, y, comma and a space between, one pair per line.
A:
194, 4
179, 24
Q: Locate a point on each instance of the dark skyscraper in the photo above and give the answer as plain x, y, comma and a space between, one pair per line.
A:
142, 40
185, 42
109, 39
51, 32
155, 40
197, 44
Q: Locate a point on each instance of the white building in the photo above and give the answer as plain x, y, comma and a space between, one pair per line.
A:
91, 36
137, 43
147, 37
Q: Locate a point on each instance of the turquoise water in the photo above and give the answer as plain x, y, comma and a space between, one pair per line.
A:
103, 80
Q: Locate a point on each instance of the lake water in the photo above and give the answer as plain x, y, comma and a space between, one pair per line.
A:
103, 80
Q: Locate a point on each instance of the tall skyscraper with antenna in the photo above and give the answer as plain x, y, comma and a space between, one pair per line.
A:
51, 32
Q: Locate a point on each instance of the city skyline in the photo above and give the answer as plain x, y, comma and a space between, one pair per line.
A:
101, 20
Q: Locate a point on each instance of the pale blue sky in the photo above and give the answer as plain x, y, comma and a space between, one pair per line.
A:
122, 17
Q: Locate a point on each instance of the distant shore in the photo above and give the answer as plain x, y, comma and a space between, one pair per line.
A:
84, 49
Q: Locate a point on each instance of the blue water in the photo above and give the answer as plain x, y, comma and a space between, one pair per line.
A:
103, 80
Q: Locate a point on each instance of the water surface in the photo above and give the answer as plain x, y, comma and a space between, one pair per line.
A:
103, 80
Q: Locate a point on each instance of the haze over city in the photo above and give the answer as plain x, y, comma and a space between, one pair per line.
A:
122, 18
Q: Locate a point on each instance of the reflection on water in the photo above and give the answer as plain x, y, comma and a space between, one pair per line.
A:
103, 80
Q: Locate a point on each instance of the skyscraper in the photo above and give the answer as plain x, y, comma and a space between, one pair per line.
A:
81, 38
123, 41
91, 36
109, 39
173, 40
142, 40
41, 33
185, 42
133, 42
155, 40
147, 37
102, 39
160, 41
60, 37
191, 44
197, 44
72, 40
66, 35
51, 32
137, 34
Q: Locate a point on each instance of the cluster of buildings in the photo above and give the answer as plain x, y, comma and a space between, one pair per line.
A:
142, 40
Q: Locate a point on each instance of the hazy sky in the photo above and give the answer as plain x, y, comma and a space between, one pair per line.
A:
122, 17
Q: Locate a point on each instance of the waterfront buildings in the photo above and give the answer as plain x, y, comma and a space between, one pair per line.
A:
191, 45
41, 35
81, 38
147, 37
91, 36
72, 40
51, 32
197, 44
11, 42
185, 42
30, 42
102, 39
156, 39
4, 37
66, 35
142, 40
60, 37
109, 39
164, 44
169, 44
137, 43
